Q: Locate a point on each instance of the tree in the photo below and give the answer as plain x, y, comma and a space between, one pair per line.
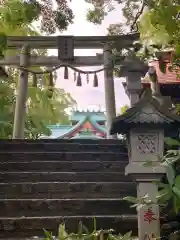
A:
160, 26
157, 21
43, 111
52, 16
45, 105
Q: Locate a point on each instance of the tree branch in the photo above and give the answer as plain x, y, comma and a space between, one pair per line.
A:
138, 16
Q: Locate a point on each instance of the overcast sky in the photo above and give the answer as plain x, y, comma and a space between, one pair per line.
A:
87, 95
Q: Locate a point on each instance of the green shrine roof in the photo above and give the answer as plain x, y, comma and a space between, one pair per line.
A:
78, 118
94, 116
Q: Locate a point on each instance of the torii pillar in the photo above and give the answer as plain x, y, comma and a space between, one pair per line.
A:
21, 98
109, 89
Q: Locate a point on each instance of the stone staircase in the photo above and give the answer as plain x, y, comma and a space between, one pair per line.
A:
46, 182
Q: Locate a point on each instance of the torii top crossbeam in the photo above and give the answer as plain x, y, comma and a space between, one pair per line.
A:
80, 42
59, 42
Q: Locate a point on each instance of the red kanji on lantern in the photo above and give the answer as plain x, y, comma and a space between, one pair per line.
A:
149, 216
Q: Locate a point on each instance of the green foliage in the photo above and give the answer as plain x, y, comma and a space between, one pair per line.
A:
160, 25
124, 109
177, 109
130, 9
171, 190
6, 108
138, 202
84, 234
157, 21
96, 16
127, 236
18, 13
115, 29
41, 109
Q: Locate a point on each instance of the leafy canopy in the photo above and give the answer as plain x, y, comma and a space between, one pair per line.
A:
52, 15
158, 21
44, 105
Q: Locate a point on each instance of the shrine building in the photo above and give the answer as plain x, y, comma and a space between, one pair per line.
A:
83, 124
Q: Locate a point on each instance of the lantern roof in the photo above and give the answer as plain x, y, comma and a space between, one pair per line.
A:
149, 112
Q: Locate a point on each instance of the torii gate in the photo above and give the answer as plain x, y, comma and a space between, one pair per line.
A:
66, 58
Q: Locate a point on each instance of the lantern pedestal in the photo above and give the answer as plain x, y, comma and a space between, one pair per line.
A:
144, 126
148, 214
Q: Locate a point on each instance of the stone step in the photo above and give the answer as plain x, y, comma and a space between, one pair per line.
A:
62, 145
33, 226
67, 207
62, 156
8, 177
66, 190
48, 140
64, 166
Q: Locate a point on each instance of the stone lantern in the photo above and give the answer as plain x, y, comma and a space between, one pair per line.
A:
133, 69
144, 126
